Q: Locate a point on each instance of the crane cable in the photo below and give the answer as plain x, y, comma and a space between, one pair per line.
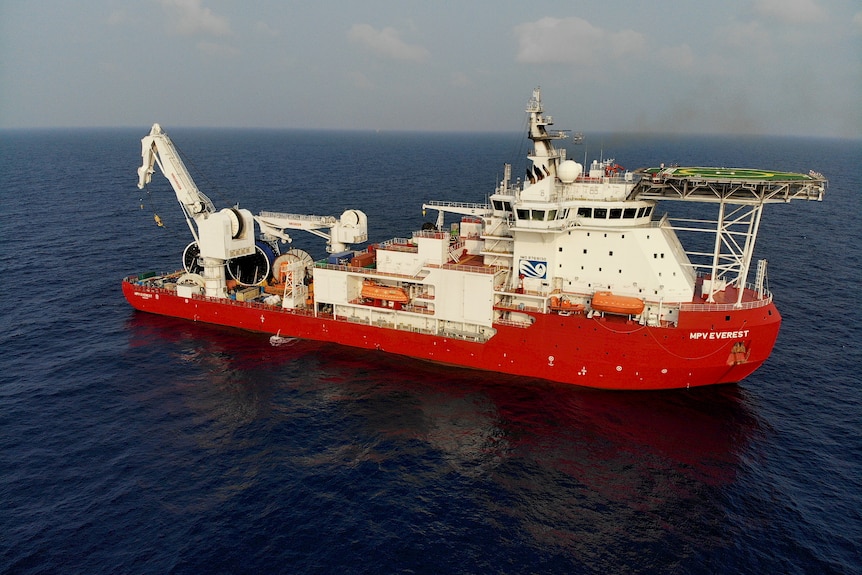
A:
156, 217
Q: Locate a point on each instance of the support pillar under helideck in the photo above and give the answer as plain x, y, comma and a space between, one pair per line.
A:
735, 236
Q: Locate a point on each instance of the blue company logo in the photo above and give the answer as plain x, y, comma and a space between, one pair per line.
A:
533, 269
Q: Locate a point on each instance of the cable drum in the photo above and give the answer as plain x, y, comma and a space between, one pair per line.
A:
191, 259
281, 263
253, 269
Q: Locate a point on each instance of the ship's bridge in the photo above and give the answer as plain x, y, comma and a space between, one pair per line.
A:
559, 216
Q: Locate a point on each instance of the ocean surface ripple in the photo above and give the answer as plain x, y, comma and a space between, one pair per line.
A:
132, 443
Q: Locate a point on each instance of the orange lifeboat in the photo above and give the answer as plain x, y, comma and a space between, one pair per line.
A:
564, 305
371, 290
625, 305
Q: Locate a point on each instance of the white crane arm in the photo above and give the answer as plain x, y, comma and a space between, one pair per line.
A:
157, 148
351, 228
221, 235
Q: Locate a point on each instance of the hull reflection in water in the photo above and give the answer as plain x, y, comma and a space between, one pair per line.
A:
556, 464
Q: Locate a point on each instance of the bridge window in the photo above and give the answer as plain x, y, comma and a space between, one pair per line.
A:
552, 215
616, 213
585, 212
538, 215
630, 213
600, 213
523, 214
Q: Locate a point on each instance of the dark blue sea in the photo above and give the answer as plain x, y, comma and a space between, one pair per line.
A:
131, 443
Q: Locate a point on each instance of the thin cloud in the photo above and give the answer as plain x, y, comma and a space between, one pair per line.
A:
118, 18
574, 41
190, 17
386, 43
460, 80
750, 37
216, 49
791, 11
360, 81
264, 29
677, 57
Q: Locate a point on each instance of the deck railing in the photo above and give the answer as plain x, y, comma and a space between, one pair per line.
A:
726, 306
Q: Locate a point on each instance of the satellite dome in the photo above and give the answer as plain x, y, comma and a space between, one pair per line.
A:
569, 171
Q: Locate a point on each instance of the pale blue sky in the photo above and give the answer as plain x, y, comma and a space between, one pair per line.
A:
736, 66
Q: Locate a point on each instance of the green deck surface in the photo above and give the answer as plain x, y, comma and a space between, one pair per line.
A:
748, 174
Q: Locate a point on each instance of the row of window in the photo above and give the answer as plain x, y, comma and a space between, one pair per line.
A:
542, 215
592, 213
615, 213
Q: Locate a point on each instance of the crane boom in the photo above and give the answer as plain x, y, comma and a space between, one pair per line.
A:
157, 148
350, 228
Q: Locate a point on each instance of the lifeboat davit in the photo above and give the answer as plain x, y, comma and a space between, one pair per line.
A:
371, 290
621, 304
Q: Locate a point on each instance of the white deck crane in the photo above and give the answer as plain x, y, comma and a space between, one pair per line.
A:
229, 233
350, 228
220, 235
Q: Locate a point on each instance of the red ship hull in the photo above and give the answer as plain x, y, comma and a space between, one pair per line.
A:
706, 347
